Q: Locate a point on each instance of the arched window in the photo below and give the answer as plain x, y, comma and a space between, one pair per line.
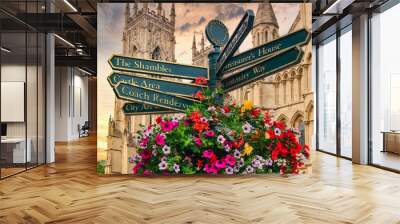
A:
258, 38
266, 36
156, 54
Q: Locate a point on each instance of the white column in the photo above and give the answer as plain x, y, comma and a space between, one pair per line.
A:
360, 90
50, 99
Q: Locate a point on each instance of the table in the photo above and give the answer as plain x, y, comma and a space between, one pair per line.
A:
13, 150
391, 141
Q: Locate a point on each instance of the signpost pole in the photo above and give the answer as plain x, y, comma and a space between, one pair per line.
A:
214, 81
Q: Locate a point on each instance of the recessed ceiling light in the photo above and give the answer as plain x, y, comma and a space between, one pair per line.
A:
64, 40
5, 50
70, 5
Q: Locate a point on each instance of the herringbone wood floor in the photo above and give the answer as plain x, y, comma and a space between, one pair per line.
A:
71, 192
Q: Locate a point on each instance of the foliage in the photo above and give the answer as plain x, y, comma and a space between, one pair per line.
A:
218, 139
101, 165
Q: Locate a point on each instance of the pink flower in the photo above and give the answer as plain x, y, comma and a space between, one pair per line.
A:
146, 154
143, 142
197, 141
208, 154
230, 160
147, 172
160, 139
210, 169
167, 126
210, 133
220, 164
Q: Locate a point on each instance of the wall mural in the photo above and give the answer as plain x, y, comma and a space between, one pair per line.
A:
226, 111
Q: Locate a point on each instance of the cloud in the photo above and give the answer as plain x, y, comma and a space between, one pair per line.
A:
229, 11
187, 26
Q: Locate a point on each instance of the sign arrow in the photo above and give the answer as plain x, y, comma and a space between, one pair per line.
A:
153, 67
263, 69
254, 55
238, 36
143, 109
168, 86
152, 97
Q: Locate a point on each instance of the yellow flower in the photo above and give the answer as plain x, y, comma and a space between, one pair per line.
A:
247, 149
267, 135
247, 105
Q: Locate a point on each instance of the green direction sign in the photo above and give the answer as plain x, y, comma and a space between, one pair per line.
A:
238, 36
153, 67
251, 56
143, 109
263, 69
168, 86
152, 97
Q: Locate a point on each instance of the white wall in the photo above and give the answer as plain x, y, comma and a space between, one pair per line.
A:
71, 102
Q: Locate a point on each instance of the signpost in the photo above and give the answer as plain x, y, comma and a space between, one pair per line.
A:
238, 36
153, 67
143, 109
263, 69
152, 97
168, 86
149, 94
251, 56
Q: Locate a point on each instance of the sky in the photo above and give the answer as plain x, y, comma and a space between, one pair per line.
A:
191, 18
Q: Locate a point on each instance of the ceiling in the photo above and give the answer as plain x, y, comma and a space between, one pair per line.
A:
75, 22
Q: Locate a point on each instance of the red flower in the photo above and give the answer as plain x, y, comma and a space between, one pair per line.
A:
195, 116
158, 119
267, 118
256, 112
199, 163
136, 168
200, 81
146, 154
307, 151
226, 109
199, 95
274, 154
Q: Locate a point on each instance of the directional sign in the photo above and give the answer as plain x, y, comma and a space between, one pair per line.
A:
153, 67
168, 86
217, 33
152, 97
143, 109
251, 56
241, 31
263, 69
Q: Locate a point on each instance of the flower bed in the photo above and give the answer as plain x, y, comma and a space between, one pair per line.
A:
212, 139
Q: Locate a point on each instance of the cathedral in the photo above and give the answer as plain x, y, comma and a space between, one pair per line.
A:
150, 34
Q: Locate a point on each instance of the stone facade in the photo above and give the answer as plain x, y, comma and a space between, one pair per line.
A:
147, 34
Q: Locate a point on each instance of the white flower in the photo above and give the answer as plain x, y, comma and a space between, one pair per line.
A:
203, 119
227, 148
241, 162
255, 163
277, 132
148, 131
164, 159
229, 170
236, 169
175, 119
163, 165
236, 153
249, 169
211, 108
221, 139
166, 150
268, 162
176, 168
138, 137
247, 128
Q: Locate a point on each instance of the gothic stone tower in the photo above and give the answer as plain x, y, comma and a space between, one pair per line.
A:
147, 34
